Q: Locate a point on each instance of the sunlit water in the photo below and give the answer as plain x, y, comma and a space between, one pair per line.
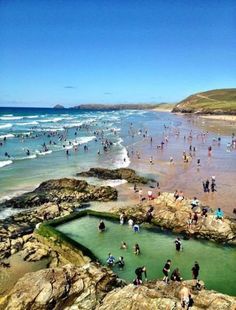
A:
21, 173
217, 262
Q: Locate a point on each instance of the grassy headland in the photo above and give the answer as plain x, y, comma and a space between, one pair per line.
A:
218, 101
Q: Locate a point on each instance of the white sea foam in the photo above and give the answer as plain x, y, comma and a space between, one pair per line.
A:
26, 124
25, 157
72, 125
51, 120
4, 163
31, 116
8, 135
83, 140
7, 114
43, 153
6, 212
10, 118
123, 160
113, 183
5, 126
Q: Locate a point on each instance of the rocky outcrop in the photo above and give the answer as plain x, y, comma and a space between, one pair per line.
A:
67, 287
62, 191
114, 174
94, 287
158, 296
174, 215
53, 198
58, 106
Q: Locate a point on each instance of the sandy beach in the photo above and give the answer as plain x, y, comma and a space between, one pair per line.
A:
229, 118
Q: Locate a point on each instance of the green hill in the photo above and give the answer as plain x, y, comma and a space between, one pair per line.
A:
217, 101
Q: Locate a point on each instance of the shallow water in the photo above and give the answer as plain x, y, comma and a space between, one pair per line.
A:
21, 173
217, 262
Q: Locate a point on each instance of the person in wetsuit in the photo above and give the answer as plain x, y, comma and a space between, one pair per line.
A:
195, 270
140, 271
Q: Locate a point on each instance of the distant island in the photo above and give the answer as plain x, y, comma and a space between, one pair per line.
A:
216, 102
128, 106
58, 106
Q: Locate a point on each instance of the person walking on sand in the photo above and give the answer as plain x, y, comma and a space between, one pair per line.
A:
140, 194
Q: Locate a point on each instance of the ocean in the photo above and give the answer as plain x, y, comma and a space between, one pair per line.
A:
38, 144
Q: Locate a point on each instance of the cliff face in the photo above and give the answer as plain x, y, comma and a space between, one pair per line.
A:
219, 101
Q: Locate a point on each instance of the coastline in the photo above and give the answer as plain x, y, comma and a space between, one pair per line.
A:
223, 117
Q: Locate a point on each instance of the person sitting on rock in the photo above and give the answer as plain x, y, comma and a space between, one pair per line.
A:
175, 276
194, 202
184, 297
122, 218
149, 215
176, 194
130, 222
204, 212
219, 214
195, 218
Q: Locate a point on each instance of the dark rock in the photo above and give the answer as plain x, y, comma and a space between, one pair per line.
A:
62, 190
113, 174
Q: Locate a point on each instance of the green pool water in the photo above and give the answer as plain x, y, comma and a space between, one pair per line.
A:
217, 262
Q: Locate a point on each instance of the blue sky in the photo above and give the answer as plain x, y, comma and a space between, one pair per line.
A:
73, 52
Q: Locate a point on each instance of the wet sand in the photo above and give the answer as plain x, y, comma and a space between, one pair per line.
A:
188, 177
18, 267
230, 118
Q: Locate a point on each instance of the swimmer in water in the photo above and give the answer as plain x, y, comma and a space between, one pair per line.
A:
121, 262
123, 245
136, 249
101, 226
110, 260
178, 244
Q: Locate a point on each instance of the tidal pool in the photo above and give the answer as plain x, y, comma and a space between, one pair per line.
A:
217, 262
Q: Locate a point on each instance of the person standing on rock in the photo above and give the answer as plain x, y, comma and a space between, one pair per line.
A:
185, 297
195, 270
166, 270
140, 271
